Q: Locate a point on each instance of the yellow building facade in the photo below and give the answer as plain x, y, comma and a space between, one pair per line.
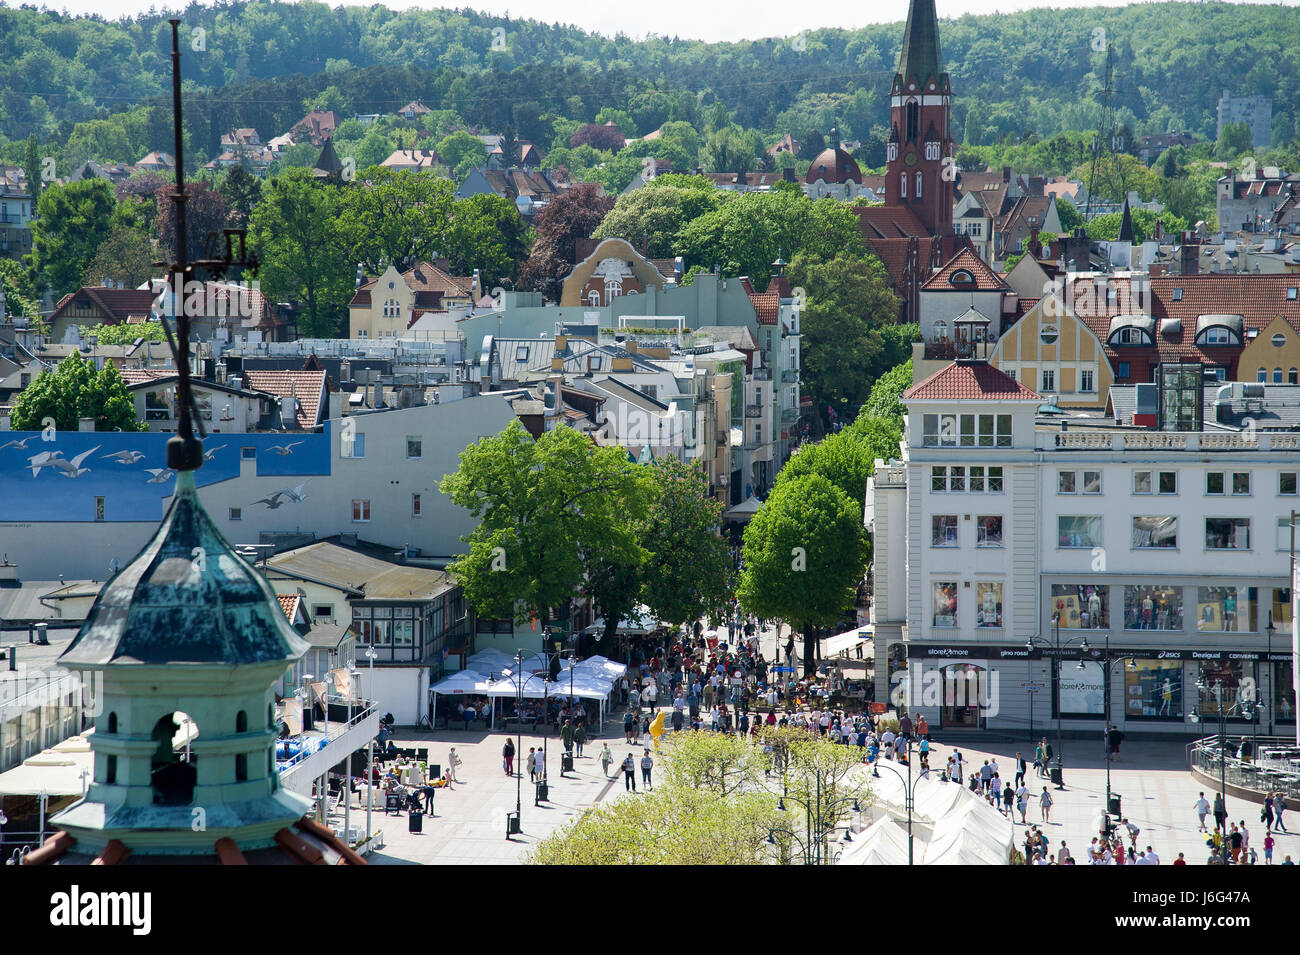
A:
1053, 352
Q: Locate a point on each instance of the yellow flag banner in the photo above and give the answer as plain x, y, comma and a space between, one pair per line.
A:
342, 682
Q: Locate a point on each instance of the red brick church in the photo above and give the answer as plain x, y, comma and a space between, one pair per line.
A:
912, 232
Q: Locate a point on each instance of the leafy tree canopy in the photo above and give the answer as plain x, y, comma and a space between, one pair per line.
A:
74, 390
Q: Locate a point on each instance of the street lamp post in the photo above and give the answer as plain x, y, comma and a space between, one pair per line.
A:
1272, 670
908, 794
1248, 709
370, 756
1030, 644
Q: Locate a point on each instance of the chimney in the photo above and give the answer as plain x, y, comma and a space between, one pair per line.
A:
1006, 173
1190, 255
787, 174
86, 424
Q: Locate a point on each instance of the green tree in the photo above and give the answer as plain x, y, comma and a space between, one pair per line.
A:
124, 334
848, 324
731, 149
126, 255
462, 152
486, 233
295, 231
655, 215
21, 297
885, 399
1071, 218
620, 118
74, 390
242, 191
395, 217
32, 168
687, 574
746, 233
72, 220
541, 505
805, 552
1234, 140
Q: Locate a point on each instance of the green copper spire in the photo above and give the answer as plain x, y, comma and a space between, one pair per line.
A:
921, 58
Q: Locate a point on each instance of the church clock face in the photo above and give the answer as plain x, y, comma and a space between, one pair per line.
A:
910, 159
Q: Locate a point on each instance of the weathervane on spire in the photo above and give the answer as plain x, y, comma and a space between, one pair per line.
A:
184, 450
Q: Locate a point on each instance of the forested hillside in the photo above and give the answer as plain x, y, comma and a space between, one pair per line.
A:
1019, 75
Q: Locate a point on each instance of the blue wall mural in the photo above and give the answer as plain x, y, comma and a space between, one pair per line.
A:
59, 480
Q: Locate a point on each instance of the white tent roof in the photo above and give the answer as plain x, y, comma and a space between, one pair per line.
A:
466, 681
845, 641
584, 686
640, 620
883, 843
490, 660
745, 509
534, 688
958, 844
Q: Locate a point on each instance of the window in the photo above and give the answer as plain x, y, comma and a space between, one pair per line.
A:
988, 604
99, 508
1221, 609
1178, 295
1048, 334
236, 514
1284, 533
1168, 482
1225, 682
1153, 689
1280, 610
1078, 531
1010, 373
995, 480
1277, 376
1086, 381
417, 509
967, 431
360, 511
1123, 370
902, 185
593, 364
1214, 482
918, 185
1130, 336
1293, 377
1065, 482
940, 331
248, 453
1240, 482
988, 530
1155, 532
1153, 607
943, 530
521, 353
414, 447
1291, 294
1217, 336
956, 479
1141, 482
1286, 482
1081, 606
1091, 482
1081, 688
1261, 375
945, 604
322, 611
352, 444
1049, 379
1278, 340
938, 479
1227, 533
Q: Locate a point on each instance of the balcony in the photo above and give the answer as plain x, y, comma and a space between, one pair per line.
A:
789, 415
947, 350
329, 749
1195, 441
753, 411
762, 374
790, 375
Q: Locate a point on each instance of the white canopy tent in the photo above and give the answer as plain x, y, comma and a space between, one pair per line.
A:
882, 843
639, 621
490, 660
834, 646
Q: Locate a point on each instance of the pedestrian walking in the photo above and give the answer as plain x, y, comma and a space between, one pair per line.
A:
629, 773
579, 738
1268, 849
1220, 814
1045, 805
508, 756
1266, 814
530, 764
606, 757
452, 762
1279, 807
1022, 803
1020, 769
628, 722
647, 764
1202, 810
566, 736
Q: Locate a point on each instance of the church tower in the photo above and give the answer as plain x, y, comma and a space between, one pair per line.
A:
920, 138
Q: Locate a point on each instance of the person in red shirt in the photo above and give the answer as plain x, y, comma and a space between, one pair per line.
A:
1180, 860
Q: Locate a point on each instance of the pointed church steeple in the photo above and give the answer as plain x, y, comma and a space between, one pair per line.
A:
921, 58
1126, 225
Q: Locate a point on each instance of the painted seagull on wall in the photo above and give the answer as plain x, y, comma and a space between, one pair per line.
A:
56, 461
125, 457
271, 502
160, 475
20, 445
283, 449
212, 453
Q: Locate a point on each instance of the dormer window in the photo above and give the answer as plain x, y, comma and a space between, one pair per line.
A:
932, 150
962, 277
1178, 295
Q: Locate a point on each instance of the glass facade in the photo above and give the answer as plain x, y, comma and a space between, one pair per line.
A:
1153, 689
1081, 606
945, 604
988, 604
1226, 683
1157, 607
1081, 691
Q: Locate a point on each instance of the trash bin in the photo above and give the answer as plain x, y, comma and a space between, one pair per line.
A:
566, 763
1113, 806
512, 824
543, 792
1056, 776
415, 822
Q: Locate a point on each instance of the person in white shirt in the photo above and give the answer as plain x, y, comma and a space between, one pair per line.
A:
1152, 858
1062, 854
888, 738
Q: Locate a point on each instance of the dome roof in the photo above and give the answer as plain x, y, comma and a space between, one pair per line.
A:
187, 597
833, 164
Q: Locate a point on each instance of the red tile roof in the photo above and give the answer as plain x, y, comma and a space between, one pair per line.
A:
888, 222
970, 381
289, 604
134, 376
986, 280
1259, 299
307, 386
117, 304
